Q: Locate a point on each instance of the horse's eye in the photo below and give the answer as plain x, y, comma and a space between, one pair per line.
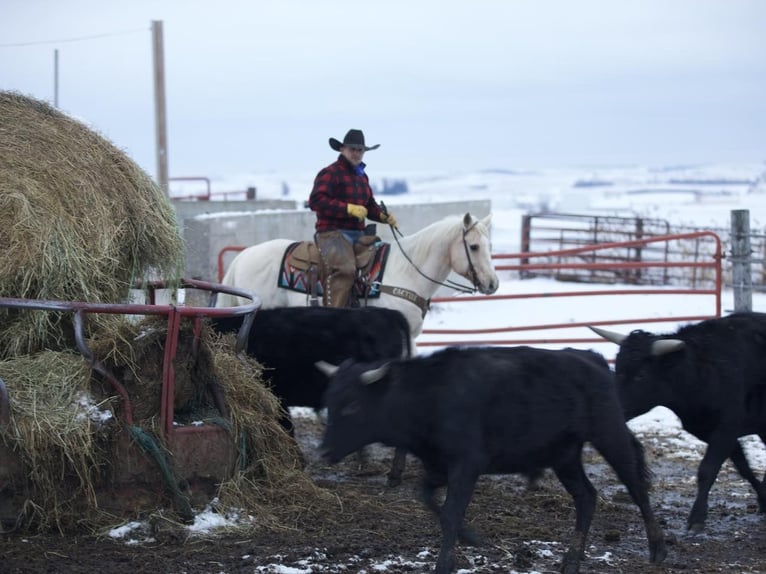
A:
474, 248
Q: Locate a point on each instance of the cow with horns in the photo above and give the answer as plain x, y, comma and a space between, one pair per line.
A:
465, 412
712, 375
288, 341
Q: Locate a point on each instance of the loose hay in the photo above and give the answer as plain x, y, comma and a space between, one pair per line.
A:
79, 221
52, 433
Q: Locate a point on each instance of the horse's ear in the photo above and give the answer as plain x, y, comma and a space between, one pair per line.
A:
487, 220
467, 220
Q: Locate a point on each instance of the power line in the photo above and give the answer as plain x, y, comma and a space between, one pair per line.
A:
78, 39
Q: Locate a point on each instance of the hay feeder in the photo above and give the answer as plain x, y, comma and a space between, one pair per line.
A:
174, 461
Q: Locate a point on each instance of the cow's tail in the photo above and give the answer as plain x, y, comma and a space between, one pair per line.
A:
644, 471
408, 345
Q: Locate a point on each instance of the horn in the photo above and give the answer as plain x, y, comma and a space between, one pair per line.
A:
664, 346
374, 375
612, 336
327, 368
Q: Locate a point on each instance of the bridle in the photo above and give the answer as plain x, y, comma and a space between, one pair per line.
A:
448, 283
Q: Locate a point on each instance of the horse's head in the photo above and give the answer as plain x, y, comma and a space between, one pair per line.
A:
471, 255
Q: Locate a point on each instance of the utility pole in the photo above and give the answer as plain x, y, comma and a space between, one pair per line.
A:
159, 105
56, 78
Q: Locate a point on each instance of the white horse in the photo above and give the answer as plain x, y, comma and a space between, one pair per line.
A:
417, 266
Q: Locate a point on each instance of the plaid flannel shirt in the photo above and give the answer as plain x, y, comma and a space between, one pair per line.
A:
337, 185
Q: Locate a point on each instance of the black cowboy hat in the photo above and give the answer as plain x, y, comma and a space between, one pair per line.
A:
353, 138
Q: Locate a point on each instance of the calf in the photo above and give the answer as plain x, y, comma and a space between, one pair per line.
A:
473, 411
712, 375
288, 341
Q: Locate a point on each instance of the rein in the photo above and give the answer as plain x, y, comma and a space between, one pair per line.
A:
449, 283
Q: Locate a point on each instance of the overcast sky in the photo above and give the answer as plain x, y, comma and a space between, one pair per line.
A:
440, 84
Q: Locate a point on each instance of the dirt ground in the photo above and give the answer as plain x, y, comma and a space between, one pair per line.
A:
523, 530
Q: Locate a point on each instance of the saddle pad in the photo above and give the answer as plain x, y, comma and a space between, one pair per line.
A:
365, 286
293, 278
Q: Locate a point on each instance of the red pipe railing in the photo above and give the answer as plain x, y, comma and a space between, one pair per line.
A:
174, 314
715, 265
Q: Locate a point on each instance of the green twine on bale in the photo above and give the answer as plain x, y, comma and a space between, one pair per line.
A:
149, 445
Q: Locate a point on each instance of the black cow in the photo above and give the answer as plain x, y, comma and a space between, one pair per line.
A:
288, 341
712, 375
473, 411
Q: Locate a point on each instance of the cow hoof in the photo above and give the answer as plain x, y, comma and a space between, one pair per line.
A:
658, 553
696, 528
468, 536
393, 481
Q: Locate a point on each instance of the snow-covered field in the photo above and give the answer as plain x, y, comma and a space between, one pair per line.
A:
695, 195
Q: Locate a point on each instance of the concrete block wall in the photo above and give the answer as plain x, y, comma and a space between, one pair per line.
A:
208, 227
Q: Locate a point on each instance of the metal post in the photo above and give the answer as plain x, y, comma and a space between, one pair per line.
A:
741, 256
159, 105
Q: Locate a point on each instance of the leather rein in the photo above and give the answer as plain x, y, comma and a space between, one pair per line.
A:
448, 283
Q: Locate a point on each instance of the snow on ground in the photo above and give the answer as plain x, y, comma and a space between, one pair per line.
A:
689, 195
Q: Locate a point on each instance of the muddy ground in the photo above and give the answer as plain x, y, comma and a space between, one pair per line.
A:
522, 530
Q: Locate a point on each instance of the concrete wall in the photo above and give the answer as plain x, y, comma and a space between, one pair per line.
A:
208, 227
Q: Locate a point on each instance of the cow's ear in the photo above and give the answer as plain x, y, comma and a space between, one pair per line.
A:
327, 368
374, 375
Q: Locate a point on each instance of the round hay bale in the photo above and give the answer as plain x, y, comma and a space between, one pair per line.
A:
79, 221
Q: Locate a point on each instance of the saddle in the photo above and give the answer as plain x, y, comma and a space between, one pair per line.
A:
303, 271
305, 255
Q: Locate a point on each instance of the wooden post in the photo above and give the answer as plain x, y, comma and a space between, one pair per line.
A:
159, 105
56, 78
741, 256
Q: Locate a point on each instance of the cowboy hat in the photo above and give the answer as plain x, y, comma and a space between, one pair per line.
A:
354, 138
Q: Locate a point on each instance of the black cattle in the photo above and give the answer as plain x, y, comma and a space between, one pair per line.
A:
473, 411
712, 375
288, 341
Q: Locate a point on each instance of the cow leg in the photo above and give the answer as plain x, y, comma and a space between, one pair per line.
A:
625, 455
460, 487
707, 472
397, 467
739, 459
432, 481
572, 475
762, 490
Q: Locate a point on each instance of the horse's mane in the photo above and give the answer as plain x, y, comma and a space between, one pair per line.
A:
444, 230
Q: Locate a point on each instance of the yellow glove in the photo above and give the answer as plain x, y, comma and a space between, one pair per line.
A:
390, 219
358, 211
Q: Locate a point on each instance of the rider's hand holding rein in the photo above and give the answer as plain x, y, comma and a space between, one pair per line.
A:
358, 211
390, 219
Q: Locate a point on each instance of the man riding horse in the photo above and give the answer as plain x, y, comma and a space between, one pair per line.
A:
342, 199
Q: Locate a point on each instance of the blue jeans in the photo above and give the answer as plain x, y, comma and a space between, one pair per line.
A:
352, 235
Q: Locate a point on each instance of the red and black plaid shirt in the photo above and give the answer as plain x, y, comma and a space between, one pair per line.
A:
335, 186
